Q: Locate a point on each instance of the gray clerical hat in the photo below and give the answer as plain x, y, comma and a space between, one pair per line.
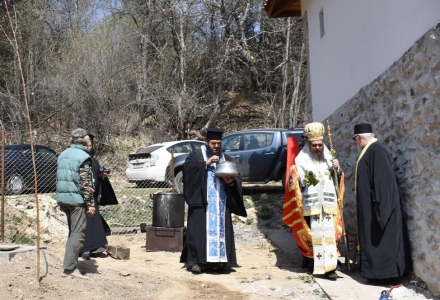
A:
79, 133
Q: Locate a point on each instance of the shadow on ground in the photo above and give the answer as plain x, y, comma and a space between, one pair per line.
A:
282, 242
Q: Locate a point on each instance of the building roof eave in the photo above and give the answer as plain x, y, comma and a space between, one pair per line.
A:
282, 8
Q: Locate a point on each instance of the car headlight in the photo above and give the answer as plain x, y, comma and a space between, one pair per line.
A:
153, 159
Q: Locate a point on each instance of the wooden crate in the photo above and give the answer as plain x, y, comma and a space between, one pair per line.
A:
164, 239
118, 252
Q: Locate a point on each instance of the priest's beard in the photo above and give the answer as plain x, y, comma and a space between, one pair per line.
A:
318, 155
211, 152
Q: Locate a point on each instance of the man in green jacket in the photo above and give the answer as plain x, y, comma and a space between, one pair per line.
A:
75, 196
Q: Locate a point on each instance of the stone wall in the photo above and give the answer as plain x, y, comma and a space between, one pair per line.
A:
403, 106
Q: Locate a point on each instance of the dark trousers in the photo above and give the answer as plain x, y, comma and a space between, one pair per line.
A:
77, 220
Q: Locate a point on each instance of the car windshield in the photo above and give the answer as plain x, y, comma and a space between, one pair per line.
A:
180, 148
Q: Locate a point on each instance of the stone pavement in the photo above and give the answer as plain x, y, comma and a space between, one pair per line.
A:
349, 285
14, 249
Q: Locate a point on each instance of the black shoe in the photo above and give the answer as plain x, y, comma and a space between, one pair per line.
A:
196, 269
373, 281
308, 263
225, 269
86, 255
383, 281
331, 275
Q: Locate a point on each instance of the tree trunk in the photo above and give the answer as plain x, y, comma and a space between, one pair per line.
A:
182, 69
294, 104
285, 73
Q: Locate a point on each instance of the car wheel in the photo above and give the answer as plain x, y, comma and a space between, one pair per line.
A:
15, 184
179, 182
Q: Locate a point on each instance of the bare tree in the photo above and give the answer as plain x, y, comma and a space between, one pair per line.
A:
285, 67
297, 96
159, 68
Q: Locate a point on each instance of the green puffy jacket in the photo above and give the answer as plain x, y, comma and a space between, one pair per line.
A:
68, 180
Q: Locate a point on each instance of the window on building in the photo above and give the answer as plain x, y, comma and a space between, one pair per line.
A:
321, 22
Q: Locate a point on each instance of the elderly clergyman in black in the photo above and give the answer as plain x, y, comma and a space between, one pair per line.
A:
209, 242
382, 232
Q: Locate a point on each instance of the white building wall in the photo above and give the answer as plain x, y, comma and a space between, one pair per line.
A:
362, 39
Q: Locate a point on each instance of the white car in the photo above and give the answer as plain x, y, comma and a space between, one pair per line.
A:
149, 164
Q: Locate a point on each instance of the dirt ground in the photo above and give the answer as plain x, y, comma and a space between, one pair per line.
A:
264, 272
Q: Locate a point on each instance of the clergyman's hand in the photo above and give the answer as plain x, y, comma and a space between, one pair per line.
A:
335, 164
91, 211
212, 159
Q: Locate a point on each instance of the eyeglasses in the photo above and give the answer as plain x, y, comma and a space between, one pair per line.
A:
316, 145
355, 137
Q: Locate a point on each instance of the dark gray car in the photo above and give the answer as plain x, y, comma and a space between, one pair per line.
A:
19, 171
260, 152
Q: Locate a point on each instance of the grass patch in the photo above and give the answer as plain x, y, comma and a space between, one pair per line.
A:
306, 278
131, 212
245, 280
265, 212
248, 202
135, 206
17, 222
319, 293
23, 238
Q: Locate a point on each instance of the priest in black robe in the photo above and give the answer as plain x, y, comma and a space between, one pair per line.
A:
209, 240
383, 238
97, 228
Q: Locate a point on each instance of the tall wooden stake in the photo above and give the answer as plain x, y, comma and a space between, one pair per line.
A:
3, 187
23, 85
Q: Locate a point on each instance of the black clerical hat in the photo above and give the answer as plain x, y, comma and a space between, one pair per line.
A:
362, 128
91, 136
214, 134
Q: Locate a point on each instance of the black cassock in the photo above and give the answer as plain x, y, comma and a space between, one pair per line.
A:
382, 230
195, 192
97, 228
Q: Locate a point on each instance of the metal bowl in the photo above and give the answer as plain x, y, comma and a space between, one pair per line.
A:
226, 169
